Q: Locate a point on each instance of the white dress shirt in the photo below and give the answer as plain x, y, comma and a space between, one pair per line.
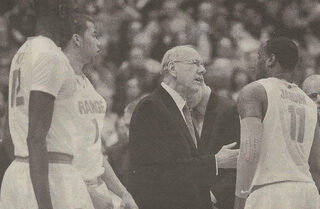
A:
180, 102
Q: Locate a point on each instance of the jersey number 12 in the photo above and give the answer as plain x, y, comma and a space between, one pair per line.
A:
16, 80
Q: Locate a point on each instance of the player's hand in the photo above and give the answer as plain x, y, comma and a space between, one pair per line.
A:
129, 202
227, 157
99, 200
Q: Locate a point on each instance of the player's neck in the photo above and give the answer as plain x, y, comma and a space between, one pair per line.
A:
74, 60
287, 76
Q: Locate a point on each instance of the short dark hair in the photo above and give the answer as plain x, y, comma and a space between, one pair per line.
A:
79, 24
284, 50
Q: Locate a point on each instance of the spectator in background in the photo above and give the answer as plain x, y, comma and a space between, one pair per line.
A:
239, 79
132, 68
205, 12
119, 152
22, 21
135, 74
218, 76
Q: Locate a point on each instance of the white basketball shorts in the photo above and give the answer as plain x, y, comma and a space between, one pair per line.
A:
285, 195
67, 189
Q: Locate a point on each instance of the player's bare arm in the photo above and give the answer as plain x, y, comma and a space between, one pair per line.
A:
252, 103
114, 184
40, 115
7, 140
314, 159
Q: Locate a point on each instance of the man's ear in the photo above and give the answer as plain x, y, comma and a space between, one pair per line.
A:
271, 61
172, 69
76, 39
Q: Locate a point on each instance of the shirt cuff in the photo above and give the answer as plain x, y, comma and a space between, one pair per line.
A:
217, 168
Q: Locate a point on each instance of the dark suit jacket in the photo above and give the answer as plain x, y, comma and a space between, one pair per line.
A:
221, 126
166, 170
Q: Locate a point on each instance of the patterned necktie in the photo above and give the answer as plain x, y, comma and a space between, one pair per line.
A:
188, 119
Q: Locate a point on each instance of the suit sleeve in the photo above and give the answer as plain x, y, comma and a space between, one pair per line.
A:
154, 159
224, 185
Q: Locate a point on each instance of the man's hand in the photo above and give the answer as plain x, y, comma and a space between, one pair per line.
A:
227, 157
129, 202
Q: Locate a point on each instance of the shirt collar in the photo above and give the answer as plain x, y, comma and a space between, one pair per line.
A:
180, 102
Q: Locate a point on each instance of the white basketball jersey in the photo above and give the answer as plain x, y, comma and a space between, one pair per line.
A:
288, 132
40, 65
91, 109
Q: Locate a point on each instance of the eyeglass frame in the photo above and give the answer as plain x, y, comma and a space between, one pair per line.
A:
313, 96
190, 62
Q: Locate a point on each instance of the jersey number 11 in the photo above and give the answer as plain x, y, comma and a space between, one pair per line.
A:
297, 112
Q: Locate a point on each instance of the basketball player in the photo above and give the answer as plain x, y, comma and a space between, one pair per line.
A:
278, 125
90, 109
41, 94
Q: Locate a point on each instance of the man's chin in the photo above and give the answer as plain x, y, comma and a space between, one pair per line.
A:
194, 89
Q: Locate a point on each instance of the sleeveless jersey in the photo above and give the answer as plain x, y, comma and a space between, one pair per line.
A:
39, 65
91, 109
288, 132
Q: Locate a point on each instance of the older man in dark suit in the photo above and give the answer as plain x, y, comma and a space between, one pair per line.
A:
166, 169
217, 123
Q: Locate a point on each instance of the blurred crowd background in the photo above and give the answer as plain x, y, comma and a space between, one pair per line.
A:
136, 33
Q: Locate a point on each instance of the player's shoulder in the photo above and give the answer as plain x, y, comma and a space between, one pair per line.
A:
252, 91
44, 48
252, 101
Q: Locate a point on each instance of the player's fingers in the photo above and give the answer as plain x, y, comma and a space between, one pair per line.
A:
229, 146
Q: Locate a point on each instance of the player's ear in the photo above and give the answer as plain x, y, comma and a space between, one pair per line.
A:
76, 39
271, 61
172, 69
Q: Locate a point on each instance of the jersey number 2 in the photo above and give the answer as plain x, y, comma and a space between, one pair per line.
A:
295, 113
16, 79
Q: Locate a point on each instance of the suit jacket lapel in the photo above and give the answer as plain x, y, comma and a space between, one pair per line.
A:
176, 116
209, 119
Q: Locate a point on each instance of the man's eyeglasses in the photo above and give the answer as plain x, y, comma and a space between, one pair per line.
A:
198, 63
313, 96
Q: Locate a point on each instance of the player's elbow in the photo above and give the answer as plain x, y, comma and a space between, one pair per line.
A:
36, 138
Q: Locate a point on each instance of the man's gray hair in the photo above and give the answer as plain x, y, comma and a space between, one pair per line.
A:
173, 54
309, 81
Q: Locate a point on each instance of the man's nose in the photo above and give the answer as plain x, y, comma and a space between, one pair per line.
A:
202, 70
